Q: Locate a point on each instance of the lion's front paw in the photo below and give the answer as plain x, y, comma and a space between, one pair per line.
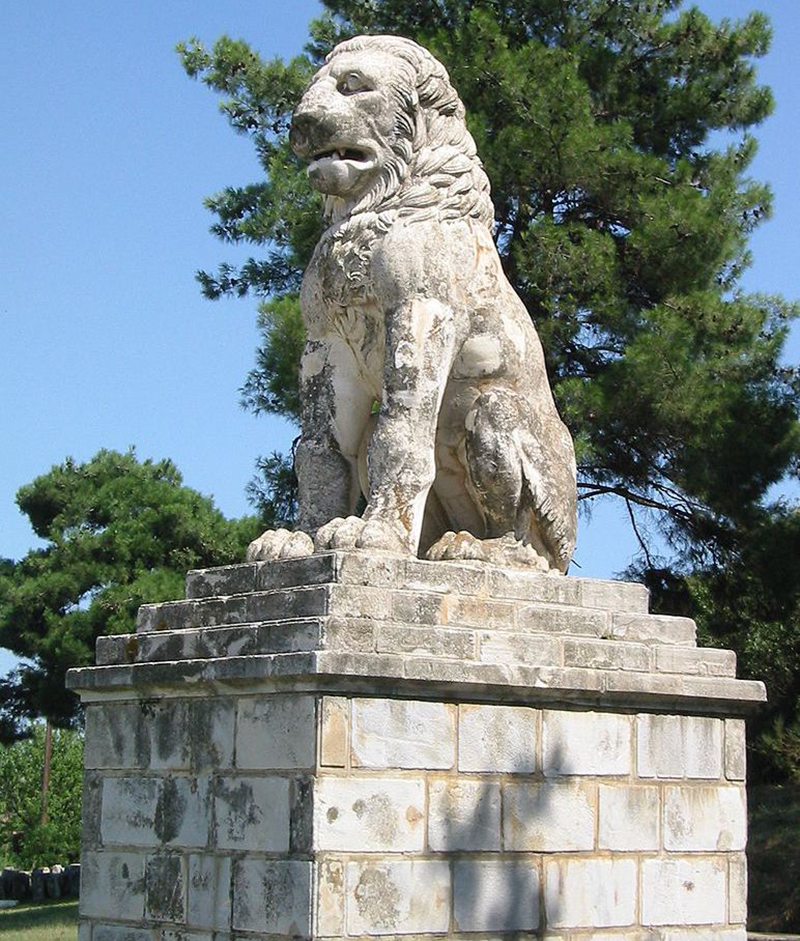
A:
279, 544
356, 533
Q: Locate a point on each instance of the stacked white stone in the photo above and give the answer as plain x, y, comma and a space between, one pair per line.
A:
344, 746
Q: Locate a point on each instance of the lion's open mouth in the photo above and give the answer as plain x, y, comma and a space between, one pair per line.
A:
347, 154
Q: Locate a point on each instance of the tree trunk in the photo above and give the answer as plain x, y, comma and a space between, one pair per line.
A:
48, 758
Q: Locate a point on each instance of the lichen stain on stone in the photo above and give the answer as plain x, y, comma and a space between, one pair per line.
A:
333, 874
244, 810
170, 810
333, 813
132, 648
148, 707
413, 814
278, 894
677, 822
167, 730
203, 748
377, 815
165, 888
378, 898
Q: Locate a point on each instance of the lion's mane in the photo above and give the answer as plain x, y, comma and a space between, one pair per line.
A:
433, 171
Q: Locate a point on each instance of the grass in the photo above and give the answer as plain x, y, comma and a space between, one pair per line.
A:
46, 921
773, 858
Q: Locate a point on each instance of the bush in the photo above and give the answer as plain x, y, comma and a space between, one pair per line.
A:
24, 841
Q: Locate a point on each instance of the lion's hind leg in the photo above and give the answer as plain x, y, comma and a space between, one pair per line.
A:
519, 467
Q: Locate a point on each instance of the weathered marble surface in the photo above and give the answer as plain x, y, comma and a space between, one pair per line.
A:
423, 380
336, 620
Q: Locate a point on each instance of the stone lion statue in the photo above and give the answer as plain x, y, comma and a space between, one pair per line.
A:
423, 382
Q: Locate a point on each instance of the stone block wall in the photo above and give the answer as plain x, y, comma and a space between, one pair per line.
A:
300, 815
353, 747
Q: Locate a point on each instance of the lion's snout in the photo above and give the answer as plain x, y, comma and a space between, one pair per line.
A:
304, 124
316, 122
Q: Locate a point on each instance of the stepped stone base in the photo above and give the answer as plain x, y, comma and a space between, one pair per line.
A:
349, 746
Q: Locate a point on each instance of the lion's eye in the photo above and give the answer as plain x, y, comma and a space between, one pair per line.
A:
352, 82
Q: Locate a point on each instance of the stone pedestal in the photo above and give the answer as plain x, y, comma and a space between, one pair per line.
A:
348, 746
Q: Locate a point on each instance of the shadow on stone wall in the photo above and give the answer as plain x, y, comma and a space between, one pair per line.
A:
494, 833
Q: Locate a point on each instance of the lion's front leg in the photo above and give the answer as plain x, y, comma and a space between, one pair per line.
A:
335, 412
420, 339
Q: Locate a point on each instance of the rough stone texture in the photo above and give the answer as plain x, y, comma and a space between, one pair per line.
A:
351, 766
497, 738
590, 892
405, 896
689, 891
401, 734
495, 895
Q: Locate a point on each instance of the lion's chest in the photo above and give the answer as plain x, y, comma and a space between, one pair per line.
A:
334, 310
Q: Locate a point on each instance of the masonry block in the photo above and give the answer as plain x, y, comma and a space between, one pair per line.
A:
704, 818
369, 814
276, 732
209, 891
252, 813
357, 745
272, 896
405, 896
629, 817
586, 743
689, 890
590, 892
496, 896
671, 746
402, 734
463, 814
500, 739
549, 817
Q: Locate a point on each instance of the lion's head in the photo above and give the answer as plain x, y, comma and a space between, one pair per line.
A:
384, 133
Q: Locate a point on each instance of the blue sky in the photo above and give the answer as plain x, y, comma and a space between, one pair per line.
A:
108, 152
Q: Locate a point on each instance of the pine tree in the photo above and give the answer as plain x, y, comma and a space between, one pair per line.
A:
119, 532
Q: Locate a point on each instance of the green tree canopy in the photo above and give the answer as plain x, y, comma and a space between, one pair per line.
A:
622, 220
58, 840
120, 532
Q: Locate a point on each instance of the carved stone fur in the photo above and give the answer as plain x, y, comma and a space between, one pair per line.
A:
423, 382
